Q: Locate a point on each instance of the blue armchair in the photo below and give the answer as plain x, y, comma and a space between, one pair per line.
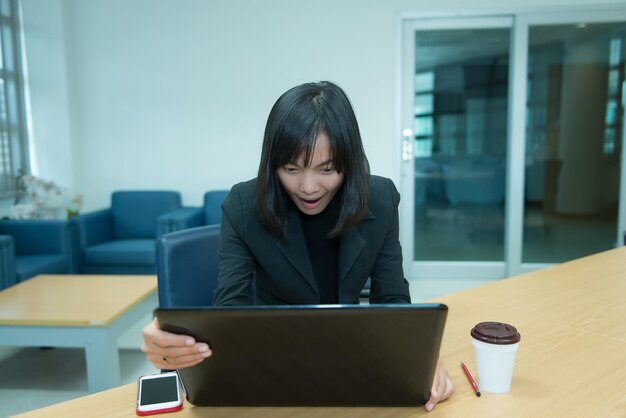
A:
121, 239
32, 247
213, 206
187, 266
209, 214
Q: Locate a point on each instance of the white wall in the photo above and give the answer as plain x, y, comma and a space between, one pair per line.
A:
174, 94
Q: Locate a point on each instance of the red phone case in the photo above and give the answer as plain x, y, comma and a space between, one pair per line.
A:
160, 411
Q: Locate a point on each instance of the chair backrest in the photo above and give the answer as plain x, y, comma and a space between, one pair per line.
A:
213, 206
135, 213
34, 236
187, 266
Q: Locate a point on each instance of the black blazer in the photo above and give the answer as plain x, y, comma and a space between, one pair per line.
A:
282, 268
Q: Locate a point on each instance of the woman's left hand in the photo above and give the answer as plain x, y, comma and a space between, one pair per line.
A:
442, 387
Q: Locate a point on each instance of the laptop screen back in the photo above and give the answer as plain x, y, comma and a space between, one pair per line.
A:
349, 355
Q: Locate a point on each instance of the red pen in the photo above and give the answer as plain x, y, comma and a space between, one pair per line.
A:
470, 379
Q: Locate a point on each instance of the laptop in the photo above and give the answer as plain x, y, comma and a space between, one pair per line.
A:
311, 355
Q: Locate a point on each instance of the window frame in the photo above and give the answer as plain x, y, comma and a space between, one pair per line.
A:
14, 153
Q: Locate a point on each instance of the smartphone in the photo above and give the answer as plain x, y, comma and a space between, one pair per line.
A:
158, 393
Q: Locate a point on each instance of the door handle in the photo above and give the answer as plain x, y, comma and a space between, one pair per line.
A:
407, 145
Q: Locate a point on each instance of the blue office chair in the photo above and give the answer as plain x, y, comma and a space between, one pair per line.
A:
187, 266
121, 239
32, 247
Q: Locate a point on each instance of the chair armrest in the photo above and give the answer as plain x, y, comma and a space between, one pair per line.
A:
7, 262
93, 227
365, 292
179, 219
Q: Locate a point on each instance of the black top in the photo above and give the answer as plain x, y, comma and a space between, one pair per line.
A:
280, 269
323, 251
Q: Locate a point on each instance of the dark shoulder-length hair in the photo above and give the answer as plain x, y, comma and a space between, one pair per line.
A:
293, 125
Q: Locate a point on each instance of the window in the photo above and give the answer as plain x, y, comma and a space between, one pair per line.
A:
13, 132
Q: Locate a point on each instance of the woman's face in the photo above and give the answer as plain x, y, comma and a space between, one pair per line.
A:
312, 188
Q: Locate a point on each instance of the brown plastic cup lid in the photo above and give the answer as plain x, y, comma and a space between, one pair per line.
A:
496, 333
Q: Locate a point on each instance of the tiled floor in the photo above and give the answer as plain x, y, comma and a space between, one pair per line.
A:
35, 377
476, 233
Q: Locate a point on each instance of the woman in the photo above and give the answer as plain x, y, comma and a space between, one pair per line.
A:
310, 229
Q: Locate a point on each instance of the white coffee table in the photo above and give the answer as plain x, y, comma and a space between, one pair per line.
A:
89, 311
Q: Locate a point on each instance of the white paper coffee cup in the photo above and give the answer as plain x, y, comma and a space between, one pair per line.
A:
495, 346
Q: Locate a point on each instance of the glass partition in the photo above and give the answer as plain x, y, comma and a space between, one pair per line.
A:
573, 140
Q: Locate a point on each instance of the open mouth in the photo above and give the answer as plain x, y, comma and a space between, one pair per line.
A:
311, 203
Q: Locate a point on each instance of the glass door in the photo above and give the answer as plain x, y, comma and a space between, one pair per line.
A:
512, 141
455, 146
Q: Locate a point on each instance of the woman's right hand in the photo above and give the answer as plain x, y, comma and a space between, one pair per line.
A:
171, 351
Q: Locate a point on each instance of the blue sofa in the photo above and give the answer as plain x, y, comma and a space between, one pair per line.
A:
32, 247
209, 214
121, 239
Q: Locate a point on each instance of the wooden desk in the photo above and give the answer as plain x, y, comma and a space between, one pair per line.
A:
571, 361
77, 311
